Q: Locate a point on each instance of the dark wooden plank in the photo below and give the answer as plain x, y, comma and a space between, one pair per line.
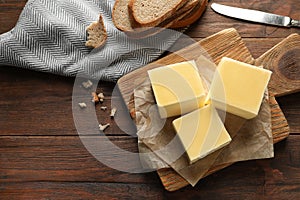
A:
212, 22
9, 13
42, 158
277, 178
291, 108
87, 191
29, 105
258, 46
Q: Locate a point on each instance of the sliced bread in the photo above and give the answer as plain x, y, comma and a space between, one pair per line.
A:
187, 7
193, 16
97, 34
181, 13
122, 17
150, 13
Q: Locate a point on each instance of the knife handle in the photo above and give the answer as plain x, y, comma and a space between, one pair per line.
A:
295, 23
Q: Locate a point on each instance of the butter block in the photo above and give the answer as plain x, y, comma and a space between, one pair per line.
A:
178, 88
201, 132
238, 88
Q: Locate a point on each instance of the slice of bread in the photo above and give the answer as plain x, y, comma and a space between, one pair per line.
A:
150, 13
181, 13
186, 7
193, 16
122, 16
97, 34
124, 21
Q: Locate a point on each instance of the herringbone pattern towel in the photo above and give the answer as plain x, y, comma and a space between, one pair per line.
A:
50, 36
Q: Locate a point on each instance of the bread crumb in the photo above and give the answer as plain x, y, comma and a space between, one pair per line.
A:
95, 98
97, 34
103, 127
101, 97
88, 84
113, 112
82, 105
132, 113
103, 108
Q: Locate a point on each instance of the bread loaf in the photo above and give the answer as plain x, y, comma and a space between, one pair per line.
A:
124, 20
193, 16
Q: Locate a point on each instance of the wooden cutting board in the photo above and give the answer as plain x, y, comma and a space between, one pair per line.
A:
283, 60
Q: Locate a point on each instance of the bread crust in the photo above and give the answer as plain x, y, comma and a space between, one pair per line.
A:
97, 34
116, 10
154, 22
181, 13
135, 28
193, 16
187, 14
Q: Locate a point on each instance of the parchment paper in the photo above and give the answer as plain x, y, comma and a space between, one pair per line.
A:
144, 99
251, 139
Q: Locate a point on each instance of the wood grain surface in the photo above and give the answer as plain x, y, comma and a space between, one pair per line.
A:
42, 156
227, 43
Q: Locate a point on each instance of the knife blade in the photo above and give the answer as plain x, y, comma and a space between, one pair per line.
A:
255, 16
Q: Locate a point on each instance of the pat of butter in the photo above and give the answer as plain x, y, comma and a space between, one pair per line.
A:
239, 88
201, 132
178, 88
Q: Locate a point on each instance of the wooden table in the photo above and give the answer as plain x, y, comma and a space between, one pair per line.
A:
42, 157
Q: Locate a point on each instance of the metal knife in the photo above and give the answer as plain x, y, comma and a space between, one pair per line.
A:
255, 16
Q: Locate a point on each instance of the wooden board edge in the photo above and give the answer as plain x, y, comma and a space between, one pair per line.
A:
278, 60
169, 178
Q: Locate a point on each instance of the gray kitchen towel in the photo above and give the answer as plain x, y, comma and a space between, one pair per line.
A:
50, 36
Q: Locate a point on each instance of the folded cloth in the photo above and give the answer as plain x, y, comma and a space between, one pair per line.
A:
50, 36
